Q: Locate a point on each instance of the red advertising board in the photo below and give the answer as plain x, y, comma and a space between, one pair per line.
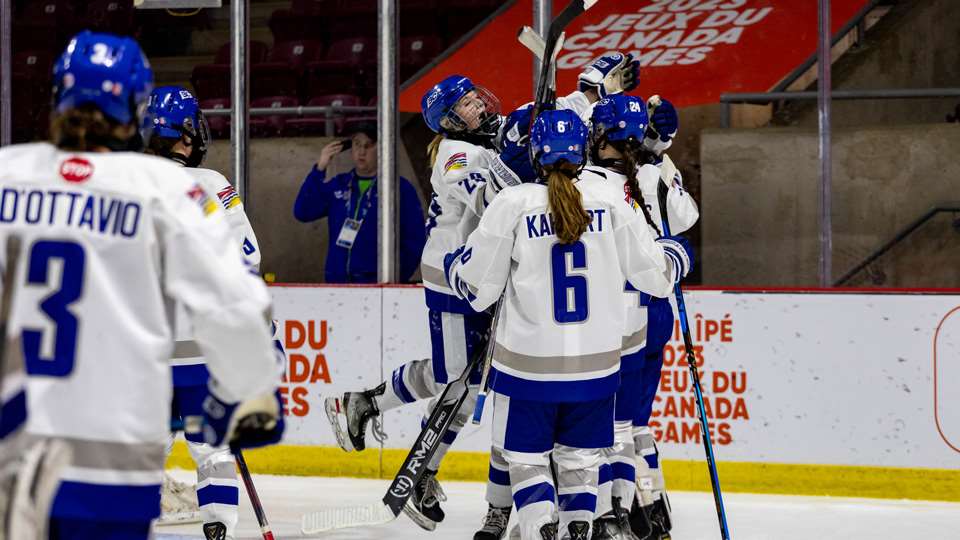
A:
690, 51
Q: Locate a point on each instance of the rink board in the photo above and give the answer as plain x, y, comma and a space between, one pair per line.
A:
807, 392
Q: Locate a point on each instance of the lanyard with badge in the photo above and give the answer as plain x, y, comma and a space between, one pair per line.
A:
351, 226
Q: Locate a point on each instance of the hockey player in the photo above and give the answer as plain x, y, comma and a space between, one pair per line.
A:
559, 253
467, 173
179, 133
107, 236
610, 74
618, 128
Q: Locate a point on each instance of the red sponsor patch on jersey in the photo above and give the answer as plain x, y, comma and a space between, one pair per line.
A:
76, 169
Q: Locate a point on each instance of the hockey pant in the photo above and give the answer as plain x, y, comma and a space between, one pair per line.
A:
572, 434
454, 338
218, 489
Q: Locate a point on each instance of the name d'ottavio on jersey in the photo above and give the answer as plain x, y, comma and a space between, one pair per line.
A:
93, 212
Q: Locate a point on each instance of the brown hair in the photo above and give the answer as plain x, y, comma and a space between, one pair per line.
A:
433, 148
569, 218
633, 158
84, 129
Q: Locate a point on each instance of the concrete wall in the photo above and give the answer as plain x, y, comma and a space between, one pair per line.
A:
914, 46
759, 202
295, 252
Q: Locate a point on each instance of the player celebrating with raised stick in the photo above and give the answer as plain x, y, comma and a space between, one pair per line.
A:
108, 236
560, 253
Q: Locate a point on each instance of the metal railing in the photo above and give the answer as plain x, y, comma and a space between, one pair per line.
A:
858, 23
330, 113
899, 237
761, 98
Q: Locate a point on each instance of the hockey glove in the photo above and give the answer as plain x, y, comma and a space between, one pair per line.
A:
610, 74
512, 166
664, 123
679, 250
249, 424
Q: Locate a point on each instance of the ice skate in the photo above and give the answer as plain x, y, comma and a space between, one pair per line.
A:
354, 410
494, 524
423, 507
613, 525
577, 530
651, 522
547, 532
215, 531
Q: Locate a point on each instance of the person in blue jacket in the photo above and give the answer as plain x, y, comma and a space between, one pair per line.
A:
349, 202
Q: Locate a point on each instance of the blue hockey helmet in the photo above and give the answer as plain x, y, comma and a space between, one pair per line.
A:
172, 113
108, 71
619, 117
439, 103
559, 135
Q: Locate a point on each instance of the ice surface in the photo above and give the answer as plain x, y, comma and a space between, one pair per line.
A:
752, 517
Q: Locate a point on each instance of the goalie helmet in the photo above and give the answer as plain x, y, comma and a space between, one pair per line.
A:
107, 71
481, 109
174, 113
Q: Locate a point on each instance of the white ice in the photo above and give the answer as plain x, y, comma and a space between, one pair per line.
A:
751, 517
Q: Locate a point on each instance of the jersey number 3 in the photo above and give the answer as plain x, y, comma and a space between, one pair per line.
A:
569, 290
56, 306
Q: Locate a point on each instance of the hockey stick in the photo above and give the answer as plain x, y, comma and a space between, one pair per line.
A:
488, 359
546, 94
668, 171
530, 39
412, 469
252, 493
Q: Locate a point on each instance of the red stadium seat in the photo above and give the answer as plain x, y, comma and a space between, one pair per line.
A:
211, 81
258, 52
320, 82
357, 53
109, 16
285, 25
219, 125
315, 7
270, 126
296, 54
272, 79
416, 52
317, 124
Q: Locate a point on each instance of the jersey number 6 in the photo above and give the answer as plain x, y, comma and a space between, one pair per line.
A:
56, 307
569, 290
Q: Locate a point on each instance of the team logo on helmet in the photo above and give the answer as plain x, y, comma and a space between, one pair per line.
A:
76, 169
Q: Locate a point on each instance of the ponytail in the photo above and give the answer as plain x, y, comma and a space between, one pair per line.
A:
569, 218
433, 148
633, 158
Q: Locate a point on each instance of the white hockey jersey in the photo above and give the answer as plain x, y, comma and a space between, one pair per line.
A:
460, 196
560, 327
683, 213
108, 240
186, 352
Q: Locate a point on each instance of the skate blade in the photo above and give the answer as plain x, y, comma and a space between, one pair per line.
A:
415, 516
334, 410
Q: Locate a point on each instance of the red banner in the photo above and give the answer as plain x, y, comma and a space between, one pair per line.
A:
690, 51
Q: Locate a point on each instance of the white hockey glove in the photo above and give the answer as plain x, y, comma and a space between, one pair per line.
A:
248, 424
678, 250
610, 74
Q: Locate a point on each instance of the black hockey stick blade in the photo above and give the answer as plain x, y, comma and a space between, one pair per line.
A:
546, 96
415, 464
411, 471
